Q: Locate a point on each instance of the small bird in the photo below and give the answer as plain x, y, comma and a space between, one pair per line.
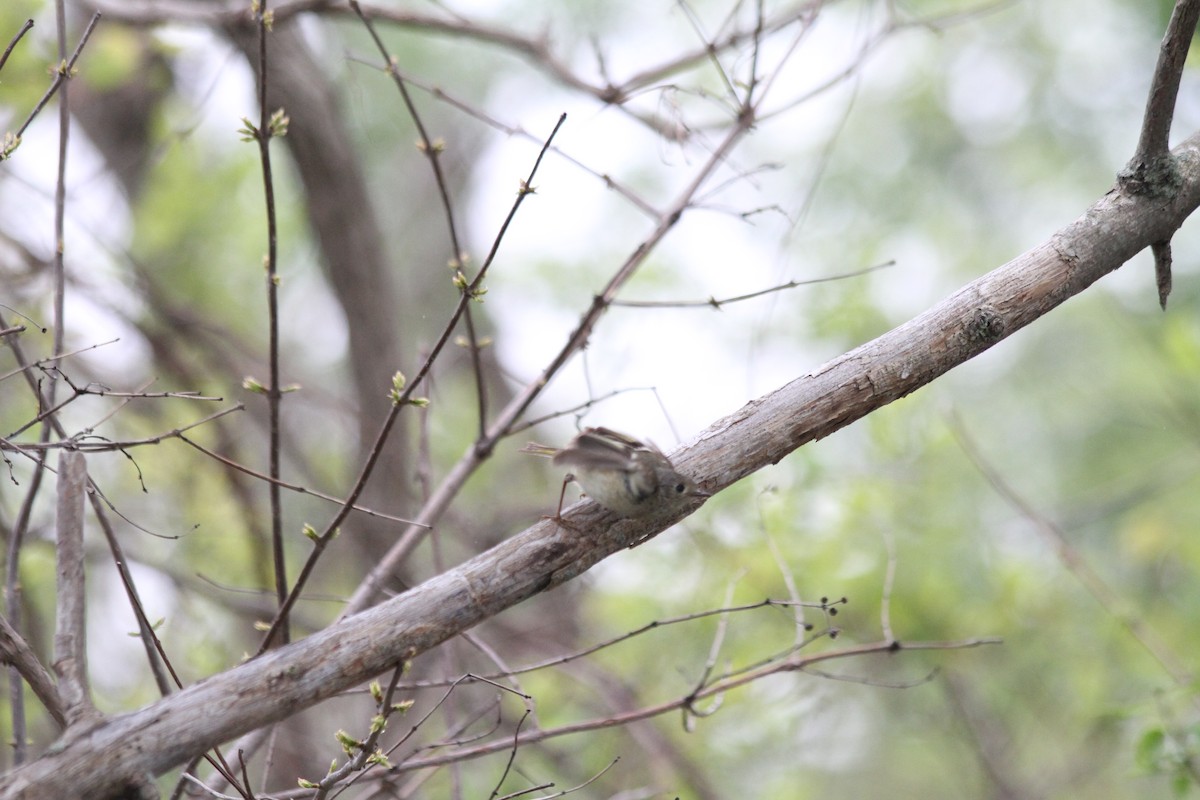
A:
619, 472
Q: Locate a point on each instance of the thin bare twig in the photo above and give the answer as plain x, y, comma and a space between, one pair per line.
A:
711, 52
61, 74
690, 711
28, 26
512, 754
583, 785
58, 266
794, 663
419, 723
713, 302
294, 487
789, 580
515, 130
575, 410
889, 583
156, 655
578, 654
25, 366
522, 792
88, 442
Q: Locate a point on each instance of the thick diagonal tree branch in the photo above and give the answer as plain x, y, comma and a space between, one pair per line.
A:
270, 688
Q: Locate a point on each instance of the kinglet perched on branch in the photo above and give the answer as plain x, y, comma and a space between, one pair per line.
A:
619, 472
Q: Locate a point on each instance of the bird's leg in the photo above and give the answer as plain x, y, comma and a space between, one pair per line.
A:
557, 518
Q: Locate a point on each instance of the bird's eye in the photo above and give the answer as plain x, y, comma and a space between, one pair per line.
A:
680, 488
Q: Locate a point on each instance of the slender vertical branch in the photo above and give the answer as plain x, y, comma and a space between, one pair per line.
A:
12, 573
60, 190
13, 597
70, 639
266, 129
